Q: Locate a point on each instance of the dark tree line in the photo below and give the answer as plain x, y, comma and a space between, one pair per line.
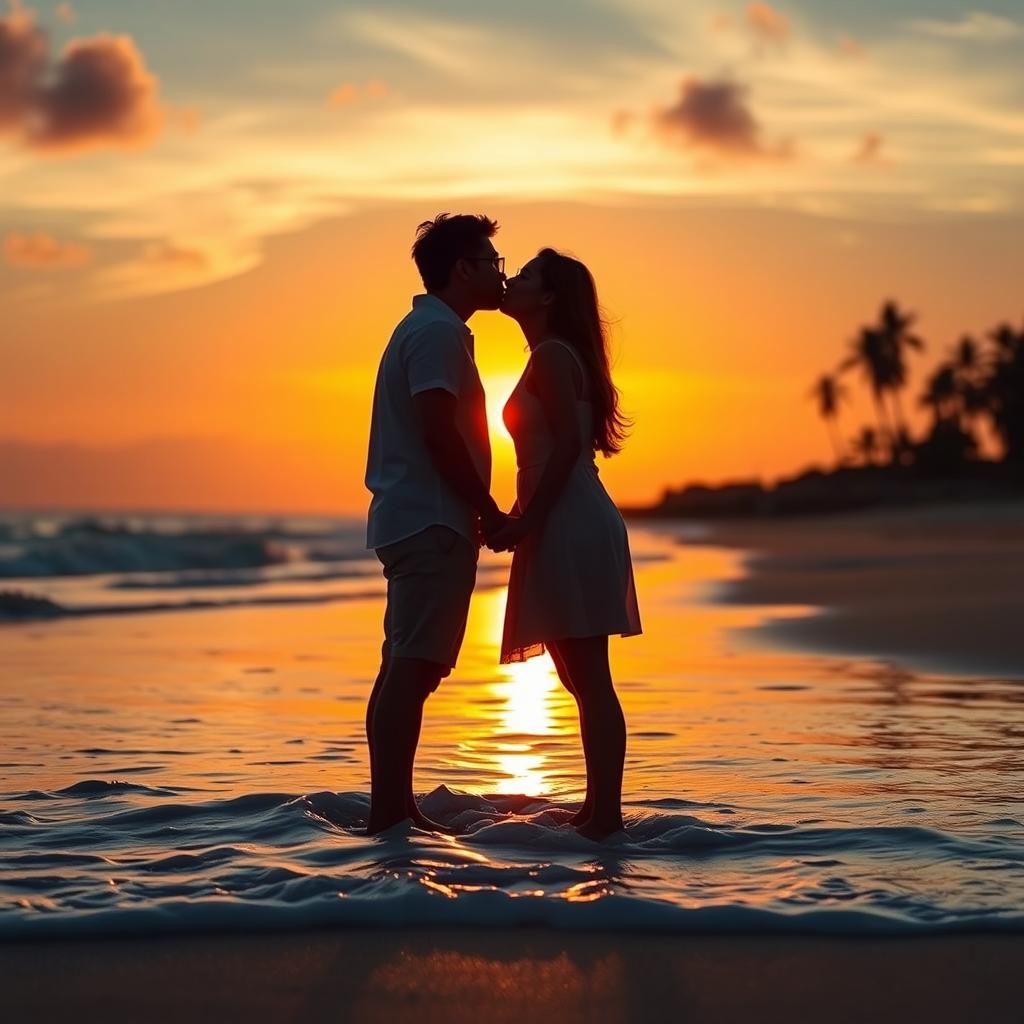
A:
980, 382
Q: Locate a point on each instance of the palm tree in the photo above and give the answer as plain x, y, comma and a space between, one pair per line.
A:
870, 354
967, 355
829, 393
897, 340
1006, 340
865, 444
967, 367
1004, 390
941, 394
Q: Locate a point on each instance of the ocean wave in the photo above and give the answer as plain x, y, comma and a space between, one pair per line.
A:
197, 580
117, 858
38, 548
17, 607
89, 553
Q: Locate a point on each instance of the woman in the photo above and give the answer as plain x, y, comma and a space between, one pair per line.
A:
571, 584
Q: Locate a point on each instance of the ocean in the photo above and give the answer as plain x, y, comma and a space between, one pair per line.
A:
181, 749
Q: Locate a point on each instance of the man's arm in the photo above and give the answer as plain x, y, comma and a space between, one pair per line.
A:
436, 410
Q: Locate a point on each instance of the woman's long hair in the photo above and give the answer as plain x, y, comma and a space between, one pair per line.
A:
575, 317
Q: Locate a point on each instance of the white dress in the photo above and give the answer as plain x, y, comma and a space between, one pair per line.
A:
571, 577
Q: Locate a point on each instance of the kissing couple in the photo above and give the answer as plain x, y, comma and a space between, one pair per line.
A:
429, 469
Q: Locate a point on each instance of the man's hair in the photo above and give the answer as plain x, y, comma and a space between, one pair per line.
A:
441, 242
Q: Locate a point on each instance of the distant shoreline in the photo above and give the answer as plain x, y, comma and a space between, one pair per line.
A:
847, 489
933, 589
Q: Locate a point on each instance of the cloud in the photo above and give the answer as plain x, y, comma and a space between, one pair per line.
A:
97, 92
761, 20
847, 46
100, 94
454, 48
348, 93
715, 116
344, 96
869, 149
23, 58
66, 14
767, 24
167, 256
41, 251
975, 25
622, 121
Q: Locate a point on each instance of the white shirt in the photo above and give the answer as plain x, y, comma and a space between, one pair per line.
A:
431, 348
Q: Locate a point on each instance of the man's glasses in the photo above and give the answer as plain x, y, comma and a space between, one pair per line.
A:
498, 262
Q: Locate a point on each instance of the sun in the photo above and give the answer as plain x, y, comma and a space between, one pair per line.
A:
497, 388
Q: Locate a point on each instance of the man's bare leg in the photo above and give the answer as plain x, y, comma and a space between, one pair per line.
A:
393, 729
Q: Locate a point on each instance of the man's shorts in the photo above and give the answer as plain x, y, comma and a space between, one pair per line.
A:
430, 577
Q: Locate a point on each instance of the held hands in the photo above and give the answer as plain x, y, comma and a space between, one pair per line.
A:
508, 534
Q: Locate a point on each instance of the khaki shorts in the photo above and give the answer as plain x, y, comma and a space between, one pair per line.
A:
430, 577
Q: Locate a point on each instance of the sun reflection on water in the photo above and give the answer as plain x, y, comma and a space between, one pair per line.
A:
529, 691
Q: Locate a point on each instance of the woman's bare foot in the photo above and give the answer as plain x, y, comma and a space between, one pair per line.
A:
582, 816
420, 820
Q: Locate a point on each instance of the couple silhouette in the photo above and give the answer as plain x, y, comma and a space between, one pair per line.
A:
429, 468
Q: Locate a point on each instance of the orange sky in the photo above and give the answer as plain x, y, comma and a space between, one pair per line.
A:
193, 320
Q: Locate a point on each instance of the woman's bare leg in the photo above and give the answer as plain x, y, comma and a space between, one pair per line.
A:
584, 813
586, 661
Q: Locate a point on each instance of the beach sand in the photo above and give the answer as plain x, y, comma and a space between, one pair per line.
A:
938, 589
449, 976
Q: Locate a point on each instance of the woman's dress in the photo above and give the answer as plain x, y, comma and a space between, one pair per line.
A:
572, 576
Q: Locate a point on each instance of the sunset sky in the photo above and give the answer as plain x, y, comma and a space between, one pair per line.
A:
206, 210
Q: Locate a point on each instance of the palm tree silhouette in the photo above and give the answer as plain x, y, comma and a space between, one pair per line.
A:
1004, 391
942, 393
865, 444
829, 393
897, 340
967, 355
968, 369
869, 353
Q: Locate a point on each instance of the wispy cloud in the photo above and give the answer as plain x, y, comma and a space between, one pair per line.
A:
350, 93
975, 25
448, 47
869, 149
41, 251
481, 107
766, 23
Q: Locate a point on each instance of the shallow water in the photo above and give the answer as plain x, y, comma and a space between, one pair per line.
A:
204, 768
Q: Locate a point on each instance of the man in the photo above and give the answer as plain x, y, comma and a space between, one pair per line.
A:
429, 469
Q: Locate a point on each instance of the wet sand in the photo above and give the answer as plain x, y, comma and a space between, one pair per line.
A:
938, 589
449, 976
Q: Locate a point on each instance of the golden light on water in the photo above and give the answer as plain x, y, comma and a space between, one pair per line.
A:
529, 691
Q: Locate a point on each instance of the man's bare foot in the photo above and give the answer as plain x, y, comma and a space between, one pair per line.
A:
377, 825
598, 831
420, 820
